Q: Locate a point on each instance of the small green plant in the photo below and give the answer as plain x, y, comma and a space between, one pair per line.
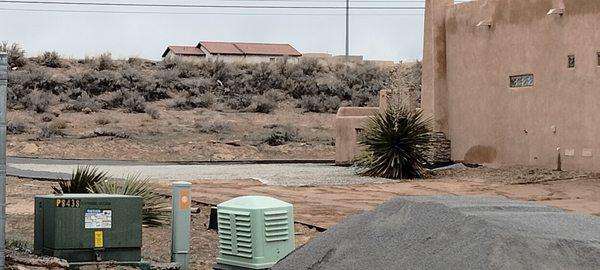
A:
155, 211
282, 135
18, 242
82, 179
396, 143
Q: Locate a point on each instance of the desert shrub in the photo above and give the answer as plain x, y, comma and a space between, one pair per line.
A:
395, 144
114, 99
105, 62
276, 95
320, 104
213, 127
16, 55
134, 103
103, 121
135, 61
16, 127
46, 131
47, 117
84, 103
153, 112
263, 104
155, 211
282, 135
50, 59
58, 124
83, 178
96, 82
361, 98
38, 101
205, 100
239, 102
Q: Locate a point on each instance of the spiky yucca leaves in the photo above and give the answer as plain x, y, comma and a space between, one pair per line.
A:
395, 144
81, 180
155, 211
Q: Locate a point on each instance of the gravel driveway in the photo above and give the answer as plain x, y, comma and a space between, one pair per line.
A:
291, 174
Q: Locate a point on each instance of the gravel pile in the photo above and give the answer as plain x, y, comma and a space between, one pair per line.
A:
451, 232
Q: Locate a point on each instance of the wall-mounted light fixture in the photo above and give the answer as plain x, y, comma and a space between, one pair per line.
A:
556, 11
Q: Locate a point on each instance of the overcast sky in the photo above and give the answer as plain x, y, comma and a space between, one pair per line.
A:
382, 36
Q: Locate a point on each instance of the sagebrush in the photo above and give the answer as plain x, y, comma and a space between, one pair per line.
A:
102, 82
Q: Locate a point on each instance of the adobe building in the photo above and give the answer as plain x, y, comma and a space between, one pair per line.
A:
515, 82
235, 52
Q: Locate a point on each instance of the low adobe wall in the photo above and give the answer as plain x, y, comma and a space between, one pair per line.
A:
348, 124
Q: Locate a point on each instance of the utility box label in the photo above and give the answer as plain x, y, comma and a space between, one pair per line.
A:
98, 239
98, 219
73, 203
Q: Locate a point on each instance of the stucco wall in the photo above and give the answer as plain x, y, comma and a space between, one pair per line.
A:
250, 59
490, 122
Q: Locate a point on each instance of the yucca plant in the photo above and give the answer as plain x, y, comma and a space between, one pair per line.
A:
82, 178
155, 211
395, 144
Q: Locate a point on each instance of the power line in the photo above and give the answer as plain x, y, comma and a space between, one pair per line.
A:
208, 6
204, 13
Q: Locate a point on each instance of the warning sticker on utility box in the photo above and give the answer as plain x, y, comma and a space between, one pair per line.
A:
98, 219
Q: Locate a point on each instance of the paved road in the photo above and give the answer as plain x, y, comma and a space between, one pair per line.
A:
292, 174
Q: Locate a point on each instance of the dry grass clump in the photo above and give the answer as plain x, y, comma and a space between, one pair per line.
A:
153, 113
213, 127
102, 121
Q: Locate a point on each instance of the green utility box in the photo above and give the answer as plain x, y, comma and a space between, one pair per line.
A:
89, 228
254, 232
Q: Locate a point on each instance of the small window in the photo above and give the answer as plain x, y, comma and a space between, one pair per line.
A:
598, 55
571, 61
524, 80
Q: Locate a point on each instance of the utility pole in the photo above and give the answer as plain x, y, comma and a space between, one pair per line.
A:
347, 29
3, 90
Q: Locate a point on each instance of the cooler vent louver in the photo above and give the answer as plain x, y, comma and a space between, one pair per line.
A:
238, 226
276, 226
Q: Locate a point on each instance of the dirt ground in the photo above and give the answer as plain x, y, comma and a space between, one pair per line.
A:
199, 134
156, 240
324, 206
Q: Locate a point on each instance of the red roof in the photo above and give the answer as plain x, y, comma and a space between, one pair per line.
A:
184, 50
220, 47
238, 48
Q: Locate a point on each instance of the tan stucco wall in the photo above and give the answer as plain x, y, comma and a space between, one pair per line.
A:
487, 121
347, 121
250, 59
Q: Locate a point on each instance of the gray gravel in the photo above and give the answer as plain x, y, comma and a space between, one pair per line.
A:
452, 232
270, 174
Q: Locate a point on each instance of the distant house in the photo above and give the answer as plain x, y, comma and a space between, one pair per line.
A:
236, 52
183, 51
